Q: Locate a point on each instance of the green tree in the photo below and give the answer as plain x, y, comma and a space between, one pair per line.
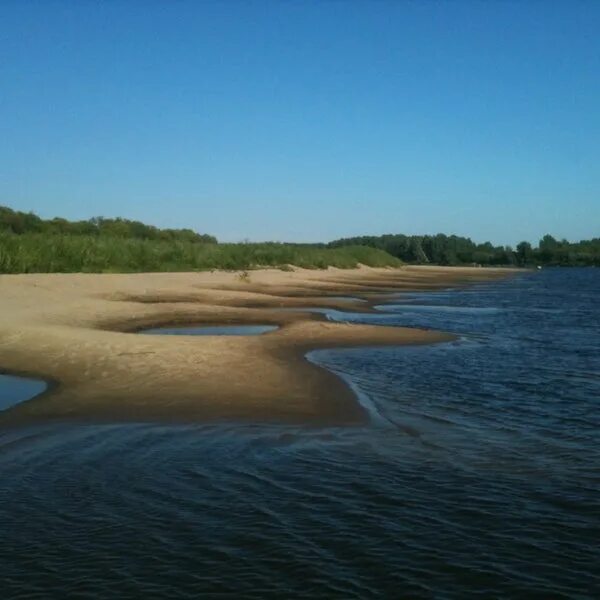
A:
524, 253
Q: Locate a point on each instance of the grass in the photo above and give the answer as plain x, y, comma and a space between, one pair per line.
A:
40, 253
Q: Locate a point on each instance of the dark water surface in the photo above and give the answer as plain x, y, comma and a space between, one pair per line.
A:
15, 389
479, 476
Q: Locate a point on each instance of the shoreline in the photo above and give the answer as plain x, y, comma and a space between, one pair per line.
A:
79, 332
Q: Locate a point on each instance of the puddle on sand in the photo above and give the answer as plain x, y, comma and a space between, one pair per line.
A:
212, 330
14, 390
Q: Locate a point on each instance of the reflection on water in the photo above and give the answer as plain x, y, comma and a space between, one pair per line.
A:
478, 477
481, 310
18, 389
346, 298
212, 330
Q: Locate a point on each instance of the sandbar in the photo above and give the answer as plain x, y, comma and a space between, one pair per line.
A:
78, 331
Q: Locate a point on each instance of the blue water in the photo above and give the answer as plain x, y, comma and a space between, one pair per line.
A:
18, 389
478, 477
212, 330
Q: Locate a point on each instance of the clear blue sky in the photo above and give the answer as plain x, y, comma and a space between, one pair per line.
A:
306, 121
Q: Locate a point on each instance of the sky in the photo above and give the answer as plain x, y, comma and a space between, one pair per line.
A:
306, 120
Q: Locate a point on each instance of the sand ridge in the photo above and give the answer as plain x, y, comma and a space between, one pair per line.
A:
78, 330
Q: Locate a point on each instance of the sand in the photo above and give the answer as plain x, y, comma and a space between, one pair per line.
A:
78, 332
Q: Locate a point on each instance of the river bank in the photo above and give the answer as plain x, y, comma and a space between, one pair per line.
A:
79, 330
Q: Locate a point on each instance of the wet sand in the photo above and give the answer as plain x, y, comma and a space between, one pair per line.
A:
78, 331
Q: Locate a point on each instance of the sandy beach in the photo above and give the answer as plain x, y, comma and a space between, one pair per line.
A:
78, 331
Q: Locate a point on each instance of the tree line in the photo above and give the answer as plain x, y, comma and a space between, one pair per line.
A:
443, 249
19, 223
29, 244
437, 249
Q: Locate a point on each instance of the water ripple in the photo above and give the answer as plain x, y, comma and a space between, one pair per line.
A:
478, 477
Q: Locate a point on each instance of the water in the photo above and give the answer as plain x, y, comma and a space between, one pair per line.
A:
479, 476
18, 389
212, 330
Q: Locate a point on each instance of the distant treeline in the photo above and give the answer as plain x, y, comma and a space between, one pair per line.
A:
454, 250
19, 223
40, 253
29, 244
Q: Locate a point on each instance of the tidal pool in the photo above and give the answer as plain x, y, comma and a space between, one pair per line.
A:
15, 389
212, 330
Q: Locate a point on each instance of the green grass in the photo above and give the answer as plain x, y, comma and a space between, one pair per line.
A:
41, 253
